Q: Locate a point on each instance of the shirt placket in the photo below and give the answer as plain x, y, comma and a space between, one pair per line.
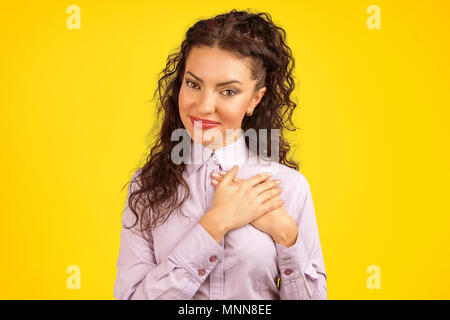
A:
217, 275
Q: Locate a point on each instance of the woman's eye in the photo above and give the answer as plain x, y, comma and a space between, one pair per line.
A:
190, 82
230, 95
193, 85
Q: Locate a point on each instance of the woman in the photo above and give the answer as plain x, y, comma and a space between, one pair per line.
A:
236, 233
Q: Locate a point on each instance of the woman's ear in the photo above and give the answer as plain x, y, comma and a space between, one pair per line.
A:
256, 99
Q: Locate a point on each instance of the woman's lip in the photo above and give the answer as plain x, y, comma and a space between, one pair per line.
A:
204, 121
202, 124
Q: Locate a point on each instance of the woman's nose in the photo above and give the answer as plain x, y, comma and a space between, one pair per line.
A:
207, 103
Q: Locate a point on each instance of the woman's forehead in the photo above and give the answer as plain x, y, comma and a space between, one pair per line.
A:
211, 64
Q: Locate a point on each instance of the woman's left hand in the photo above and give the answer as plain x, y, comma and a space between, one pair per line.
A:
277, 223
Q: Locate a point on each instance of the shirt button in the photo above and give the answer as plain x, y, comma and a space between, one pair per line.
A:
212, 259
214, 157
201, 272
288, 272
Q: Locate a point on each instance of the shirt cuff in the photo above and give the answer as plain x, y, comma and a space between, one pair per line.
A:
198, 252
293, 261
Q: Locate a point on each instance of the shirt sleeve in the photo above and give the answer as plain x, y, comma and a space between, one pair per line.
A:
302, 269
178, 276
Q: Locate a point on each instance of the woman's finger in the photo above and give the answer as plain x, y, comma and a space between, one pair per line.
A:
230, 175
216, 175
269, 194
216, 179
219, 175
266, 186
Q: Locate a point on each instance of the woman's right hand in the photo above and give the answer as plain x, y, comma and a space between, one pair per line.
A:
237, 204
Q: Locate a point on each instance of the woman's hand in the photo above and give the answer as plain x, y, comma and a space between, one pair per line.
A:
238, 203
278, 223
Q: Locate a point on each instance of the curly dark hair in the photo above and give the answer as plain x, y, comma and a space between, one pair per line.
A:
247, 35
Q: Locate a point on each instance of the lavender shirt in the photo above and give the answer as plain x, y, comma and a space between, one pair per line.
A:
183, 261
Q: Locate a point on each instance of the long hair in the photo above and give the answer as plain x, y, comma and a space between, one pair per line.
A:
271, 63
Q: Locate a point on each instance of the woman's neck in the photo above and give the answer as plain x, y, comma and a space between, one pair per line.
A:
229, 140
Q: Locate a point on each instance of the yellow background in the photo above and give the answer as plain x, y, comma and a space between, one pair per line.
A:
373, 112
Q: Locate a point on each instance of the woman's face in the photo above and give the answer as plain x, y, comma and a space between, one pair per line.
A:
217, 86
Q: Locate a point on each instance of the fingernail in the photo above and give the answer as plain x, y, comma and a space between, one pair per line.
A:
215, 175
277, 181
215, 181
223, 172
267, 173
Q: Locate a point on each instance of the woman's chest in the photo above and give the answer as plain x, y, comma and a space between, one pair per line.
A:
245, 247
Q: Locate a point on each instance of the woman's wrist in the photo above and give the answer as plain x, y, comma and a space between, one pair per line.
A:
214, 225
286, 234
286, 240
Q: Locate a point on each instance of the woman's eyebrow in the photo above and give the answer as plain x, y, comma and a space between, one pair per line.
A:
217, 85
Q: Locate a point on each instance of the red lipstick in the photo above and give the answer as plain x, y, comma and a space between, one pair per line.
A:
204, 123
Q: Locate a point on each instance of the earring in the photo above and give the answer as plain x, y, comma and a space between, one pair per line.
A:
249, 114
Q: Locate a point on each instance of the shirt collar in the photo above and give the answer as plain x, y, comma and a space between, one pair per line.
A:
232, 154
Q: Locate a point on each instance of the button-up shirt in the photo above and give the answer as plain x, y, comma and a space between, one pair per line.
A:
181, 260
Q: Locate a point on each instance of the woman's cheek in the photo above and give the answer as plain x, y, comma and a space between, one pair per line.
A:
232, 116
182, 100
